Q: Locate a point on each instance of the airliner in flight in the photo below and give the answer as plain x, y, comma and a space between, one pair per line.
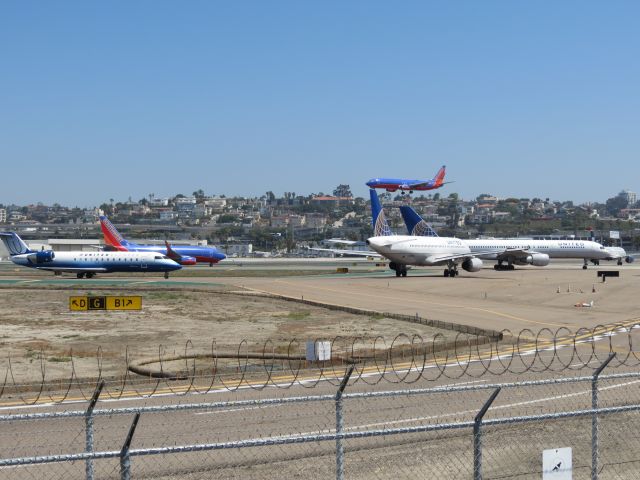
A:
402, 184
85, 264
510, 252
184, 255
404, 250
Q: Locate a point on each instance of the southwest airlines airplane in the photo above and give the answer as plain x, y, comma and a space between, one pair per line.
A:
85, 263
184, 255
402, 184
404, 250
516, 251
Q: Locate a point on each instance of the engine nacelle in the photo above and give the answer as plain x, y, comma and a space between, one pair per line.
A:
185, 260
535, 259
472, 265
629, 259
539, 259
42, 256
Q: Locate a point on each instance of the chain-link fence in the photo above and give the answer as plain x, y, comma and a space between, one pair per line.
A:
473, 429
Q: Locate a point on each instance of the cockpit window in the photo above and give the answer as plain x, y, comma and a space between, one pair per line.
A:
158, 257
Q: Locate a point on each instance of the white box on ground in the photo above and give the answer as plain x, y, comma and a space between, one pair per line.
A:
318, 351
557, 464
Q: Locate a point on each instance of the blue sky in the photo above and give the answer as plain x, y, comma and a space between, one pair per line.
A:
103, 100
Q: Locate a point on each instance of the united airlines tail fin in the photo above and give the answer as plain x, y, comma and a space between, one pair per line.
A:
416, 224
111, 235
378, 220
14, 244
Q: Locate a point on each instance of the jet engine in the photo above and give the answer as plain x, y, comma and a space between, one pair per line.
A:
535, 259
42, 256
629, 259
472, 264
185, 260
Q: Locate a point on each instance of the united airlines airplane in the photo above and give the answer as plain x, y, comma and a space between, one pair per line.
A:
618, 254
404, 250
184, 255
510, 252
402, 184
85, 264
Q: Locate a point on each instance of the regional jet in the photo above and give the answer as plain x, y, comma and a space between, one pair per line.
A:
510, 252
85, 264
402, 184
184, 255
404, 250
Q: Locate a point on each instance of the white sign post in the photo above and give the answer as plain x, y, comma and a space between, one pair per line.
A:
557, 464
319, 351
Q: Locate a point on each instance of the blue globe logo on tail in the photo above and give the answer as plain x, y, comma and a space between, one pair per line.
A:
378, 220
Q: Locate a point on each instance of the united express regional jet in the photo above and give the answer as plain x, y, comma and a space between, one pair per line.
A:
402, 184
184, 255
85, 264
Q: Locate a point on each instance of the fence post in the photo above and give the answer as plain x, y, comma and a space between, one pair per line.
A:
125, 461
477, 436
595, 420
88, 422
340, 424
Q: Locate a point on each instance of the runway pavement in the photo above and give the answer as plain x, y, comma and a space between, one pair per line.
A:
527, 298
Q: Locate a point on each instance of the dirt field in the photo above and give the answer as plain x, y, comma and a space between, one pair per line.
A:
38, 324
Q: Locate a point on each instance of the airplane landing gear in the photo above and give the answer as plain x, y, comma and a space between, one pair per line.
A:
619, 261
584, 267
499, 266
80, 275
451, 271
166, 275
90, 275
401, 270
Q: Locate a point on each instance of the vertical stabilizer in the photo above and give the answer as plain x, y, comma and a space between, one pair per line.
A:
14, 244
439, 178
378, 220
111, 235
416, 224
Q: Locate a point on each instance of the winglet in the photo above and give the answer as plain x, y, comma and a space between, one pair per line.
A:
378, 220
415, 223
171, 253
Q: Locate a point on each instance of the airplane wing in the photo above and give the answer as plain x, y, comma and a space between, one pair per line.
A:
512, 253
348, 253
73, 269
436, 259
340, 241
176, 257
428, 183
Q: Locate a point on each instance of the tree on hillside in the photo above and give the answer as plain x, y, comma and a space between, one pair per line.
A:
342, 190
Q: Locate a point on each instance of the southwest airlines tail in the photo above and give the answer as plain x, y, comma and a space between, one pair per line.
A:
111, 235
439, 178
415, 224
14, 244
378, 220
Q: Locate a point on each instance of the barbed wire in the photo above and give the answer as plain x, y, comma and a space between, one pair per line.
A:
404, 359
